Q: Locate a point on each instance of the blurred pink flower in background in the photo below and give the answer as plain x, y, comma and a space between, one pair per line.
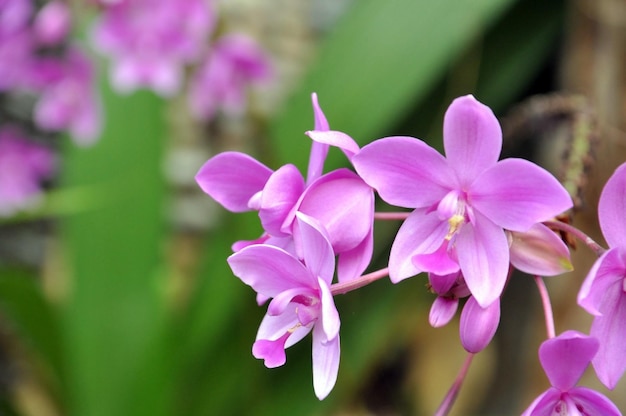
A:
23, 165
235, 62
150, 41
69, 101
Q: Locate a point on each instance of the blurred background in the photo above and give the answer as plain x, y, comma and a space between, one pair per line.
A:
115, 296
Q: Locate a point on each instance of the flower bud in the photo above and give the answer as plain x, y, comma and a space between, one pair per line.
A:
478, 325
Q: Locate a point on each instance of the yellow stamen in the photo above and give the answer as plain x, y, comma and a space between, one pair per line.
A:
455, 223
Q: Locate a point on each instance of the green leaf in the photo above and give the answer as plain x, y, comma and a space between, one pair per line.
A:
383, 56
115, 319
36, 323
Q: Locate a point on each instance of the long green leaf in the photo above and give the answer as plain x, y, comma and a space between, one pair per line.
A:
115, 318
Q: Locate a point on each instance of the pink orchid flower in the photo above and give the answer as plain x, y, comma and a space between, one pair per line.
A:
339, 200
301, 300
463, 202
603, 291
564, 360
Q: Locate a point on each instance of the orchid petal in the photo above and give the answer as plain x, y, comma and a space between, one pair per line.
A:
319, 150
317, 251
270, 270
330, 316
441, 284
232, 178
515, 194
405, 171
438, 262
545, 404
609, 270
279, 304
280, 194
442, 311
590, 402
566, 357
478, 325
335, 138
274, 327
472, 138
343, 204
272, 352
419, 234
325, 362
539, 251
483, 252
352, 263
610, 330
611, 208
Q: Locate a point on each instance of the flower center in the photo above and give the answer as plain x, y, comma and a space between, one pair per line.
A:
454, 209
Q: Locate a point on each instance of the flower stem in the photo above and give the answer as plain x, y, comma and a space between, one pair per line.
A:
559, 225
391, 215
447, 402
366, 279
547, 306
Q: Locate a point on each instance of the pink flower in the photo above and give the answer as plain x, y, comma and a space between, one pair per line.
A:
603, 291
221, 81
16, 43
301, 300
68, 98
52, 23
150, 41
564, 360
463, 202
23, 165
339, 200
539, 251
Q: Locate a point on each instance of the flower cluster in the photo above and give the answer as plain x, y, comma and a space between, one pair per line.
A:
37, 58
474, 218
47, 82
151, 42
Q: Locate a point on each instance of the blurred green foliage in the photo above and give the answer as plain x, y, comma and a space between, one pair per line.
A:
118, 347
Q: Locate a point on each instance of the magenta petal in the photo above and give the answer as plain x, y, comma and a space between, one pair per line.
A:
610, 330
319, 150
515, 194
545, 404
590, 402
232, 178
438, 262
441, 284
352, 263
279, 304
566, 357
272, 352
270, 270
420, 233
608, 271
274, 327
483, 253
442, 311
330, 316
405, 171
472, 138
478, 325
280, 195
317, 252
343, 204
325, 362
539, 251
611, 208
337, 139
